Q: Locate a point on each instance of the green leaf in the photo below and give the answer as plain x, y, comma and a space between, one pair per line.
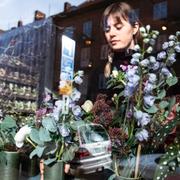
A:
75, 124
153, 109
44, 135
171, 81
69, 153
8, 123
172, 102
164, 131
37, 151
49, 161
50, 124
34, 135
163, 104
162, 94
168, 162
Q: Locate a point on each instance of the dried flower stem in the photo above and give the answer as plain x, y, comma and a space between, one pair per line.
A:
137, 160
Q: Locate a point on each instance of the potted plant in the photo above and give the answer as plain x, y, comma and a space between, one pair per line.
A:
53, 138
9, 156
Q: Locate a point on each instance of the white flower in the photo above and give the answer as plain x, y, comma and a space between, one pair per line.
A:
137, 47
149, 50
76, 110
21, 135
172, 37
136, 55
80, 73
178, 33
114, 73
166, 72
87, 106
146, 40
148, 27
152, 59
142, 29
75, 96
171, 43
177, 48
142, 135
78, 80
134, 61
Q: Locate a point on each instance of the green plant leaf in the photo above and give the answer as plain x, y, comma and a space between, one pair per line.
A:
8, 123
50, 124
75, 124
153, 109
44, 135
37, 151
49, 161
171, 81
69, 153
162, 94
168, 162
34, 135
164, 131
163, 104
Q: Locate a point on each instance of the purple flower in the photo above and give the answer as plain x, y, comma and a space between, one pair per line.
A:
144, 62
152, 78
165, 45
142, 135
166, 72
177, 48
171, 59
148, 88
64, 131
142, 118
78, 80
149, 100
76, 110
161, 55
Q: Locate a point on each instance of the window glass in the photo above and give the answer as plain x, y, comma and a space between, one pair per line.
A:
160, 10
92, 134
87, 28
69, 31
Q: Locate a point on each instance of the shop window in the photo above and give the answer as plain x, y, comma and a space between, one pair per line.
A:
102, 82
161, 39
160, 10
85, 57
69, 31
87, 28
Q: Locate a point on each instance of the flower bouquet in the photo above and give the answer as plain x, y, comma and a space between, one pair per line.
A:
141, 115
53, 137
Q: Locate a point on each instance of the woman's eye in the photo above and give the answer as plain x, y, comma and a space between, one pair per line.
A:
106, 29
118, 27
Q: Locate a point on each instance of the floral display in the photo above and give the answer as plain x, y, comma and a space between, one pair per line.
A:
53, 137
142, 116
142, 104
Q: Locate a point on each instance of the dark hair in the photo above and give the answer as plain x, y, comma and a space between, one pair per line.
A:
119, 10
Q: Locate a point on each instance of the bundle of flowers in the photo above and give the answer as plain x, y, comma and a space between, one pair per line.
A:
141, 106
53, 137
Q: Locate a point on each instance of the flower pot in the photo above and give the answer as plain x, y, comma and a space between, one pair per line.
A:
54, 172
10, 168
126, 178
29, 167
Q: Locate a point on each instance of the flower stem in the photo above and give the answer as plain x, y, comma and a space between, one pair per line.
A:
29, 140
137, 160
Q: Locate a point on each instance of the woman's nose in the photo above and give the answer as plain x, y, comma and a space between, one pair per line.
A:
112, 32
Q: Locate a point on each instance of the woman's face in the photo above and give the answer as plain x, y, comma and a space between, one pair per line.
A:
119, 35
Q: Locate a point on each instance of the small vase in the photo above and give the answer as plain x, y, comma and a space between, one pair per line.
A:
10, 168
54, 172
126, 178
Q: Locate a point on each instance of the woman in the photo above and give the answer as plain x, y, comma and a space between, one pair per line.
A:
121, 28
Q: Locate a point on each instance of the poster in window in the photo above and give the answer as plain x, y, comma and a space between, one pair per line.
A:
67, 65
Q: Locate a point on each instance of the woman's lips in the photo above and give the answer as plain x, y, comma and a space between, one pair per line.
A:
114, 42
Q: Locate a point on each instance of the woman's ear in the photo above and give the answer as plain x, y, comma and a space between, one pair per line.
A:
135, 28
